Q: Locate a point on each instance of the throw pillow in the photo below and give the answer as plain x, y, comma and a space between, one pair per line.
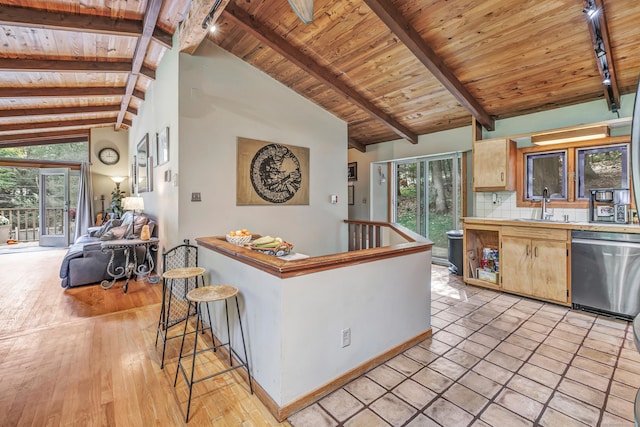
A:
115, 233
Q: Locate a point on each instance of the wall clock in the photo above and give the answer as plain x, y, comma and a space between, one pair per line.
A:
109, 156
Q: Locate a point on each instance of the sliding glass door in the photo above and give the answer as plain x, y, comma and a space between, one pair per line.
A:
427, 197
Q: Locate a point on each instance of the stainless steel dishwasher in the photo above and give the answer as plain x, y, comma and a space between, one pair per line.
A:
605, 272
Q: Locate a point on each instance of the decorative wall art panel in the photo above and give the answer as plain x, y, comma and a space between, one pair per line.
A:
271, 174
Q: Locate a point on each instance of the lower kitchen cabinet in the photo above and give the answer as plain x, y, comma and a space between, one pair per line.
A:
534, 261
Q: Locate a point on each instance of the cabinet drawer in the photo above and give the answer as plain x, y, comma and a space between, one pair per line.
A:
536, 232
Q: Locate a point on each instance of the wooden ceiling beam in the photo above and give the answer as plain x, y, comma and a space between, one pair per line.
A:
599, 29
35, 18
398, 24
45, 136
60, 92
91, 109
148, 25
29, 142
322, 74
191, 31
57, 66
357, 145
57, 124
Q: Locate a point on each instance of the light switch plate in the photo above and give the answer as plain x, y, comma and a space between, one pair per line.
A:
195, 197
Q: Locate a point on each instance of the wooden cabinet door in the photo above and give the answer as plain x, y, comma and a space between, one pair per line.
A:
515, 264
492, 161
549, 270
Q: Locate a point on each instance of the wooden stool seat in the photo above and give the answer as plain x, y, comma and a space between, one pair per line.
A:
212, 293
183, 273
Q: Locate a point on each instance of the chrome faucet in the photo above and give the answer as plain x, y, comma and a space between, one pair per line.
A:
546, 215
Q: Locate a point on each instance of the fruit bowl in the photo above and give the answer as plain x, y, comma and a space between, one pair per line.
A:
238, 240
282, 250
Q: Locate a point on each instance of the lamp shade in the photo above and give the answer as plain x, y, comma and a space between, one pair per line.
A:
133, 203
118, 179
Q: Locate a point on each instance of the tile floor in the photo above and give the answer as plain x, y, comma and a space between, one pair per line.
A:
495, 360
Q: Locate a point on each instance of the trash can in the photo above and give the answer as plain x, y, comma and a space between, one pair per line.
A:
455, 251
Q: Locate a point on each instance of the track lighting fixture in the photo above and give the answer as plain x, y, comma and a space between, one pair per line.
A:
591, 10
607, 78
207, 23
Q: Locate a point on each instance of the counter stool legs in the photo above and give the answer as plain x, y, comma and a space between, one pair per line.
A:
205, 295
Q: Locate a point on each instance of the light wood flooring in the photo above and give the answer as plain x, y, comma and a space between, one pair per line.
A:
86, 357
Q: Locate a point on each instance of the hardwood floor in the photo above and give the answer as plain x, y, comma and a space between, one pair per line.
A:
86, 357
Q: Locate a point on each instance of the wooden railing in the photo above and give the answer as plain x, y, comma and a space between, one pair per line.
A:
25, 222
372, 234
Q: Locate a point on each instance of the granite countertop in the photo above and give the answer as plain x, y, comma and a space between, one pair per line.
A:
571, 225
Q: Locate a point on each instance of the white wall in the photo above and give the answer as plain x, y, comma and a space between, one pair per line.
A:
223, 98
159, 110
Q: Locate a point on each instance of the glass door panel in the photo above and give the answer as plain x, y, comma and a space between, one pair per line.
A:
54, 207
441, 212
406, 206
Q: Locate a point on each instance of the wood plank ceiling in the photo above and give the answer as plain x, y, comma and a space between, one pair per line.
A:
389, 68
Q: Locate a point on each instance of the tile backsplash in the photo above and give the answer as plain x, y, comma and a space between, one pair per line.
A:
504, 206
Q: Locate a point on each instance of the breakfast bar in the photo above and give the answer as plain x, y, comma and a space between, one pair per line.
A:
355, 309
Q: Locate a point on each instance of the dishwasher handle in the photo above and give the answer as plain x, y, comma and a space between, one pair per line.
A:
605, 243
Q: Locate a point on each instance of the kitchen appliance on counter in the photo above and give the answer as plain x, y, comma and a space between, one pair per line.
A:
609, 205
605, 272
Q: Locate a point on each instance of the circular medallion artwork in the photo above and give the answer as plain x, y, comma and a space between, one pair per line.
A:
275, 173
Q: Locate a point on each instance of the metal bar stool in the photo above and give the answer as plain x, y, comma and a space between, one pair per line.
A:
181, 273
206, 295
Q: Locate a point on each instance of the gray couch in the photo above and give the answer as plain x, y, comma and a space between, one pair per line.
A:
85, 263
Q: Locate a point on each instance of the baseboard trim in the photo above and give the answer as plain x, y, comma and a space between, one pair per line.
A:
281, 413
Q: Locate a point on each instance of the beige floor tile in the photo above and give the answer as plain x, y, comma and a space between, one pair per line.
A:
598, 356
593, 366
341, 405
469, 323
461, 357
458, 330
447, 414
620, 407
434, 346
497, 416
587, 378
392, 409
448, 338
540, 375
519, 404
422, 421
448, 368
548, 363
505, 323
530, 388
612, 323
386, 377
480, 384
365, 389
312, 416
365, 418
514, 350
439, 305
445, 315
582, 392
564, 345
480, 423
404, 365
610, 420
553, 418
537, 327
530, 334
484, 339
432, 379
503, 360
610, 339
623, 391
575, 330
474, 348
436, 322
494, 332
566, 336
419, 354
601, 346
465, 398
574, 408
493, 372
629, 365
620, 332
544, 319
633, 355
414, 393
553, 308
521, 341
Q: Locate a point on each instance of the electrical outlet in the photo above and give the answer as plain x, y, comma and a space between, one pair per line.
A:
346, 337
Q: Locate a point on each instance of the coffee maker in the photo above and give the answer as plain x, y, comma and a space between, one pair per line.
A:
609, 205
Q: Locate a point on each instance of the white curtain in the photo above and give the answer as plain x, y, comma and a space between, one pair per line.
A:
84, 215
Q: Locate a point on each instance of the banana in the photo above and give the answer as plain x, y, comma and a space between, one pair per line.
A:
273, 244
263, 240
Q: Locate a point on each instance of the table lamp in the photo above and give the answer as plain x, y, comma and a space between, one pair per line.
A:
131, 204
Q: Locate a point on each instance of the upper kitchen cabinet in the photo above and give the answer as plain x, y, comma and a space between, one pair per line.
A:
494, 165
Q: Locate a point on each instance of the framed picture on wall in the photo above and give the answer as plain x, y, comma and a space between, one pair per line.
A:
162, 146
143, 159
352, 171
350, 195
133, 179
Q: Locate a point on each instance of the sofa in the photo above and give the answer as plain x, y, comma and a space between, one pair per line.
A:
85, 263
